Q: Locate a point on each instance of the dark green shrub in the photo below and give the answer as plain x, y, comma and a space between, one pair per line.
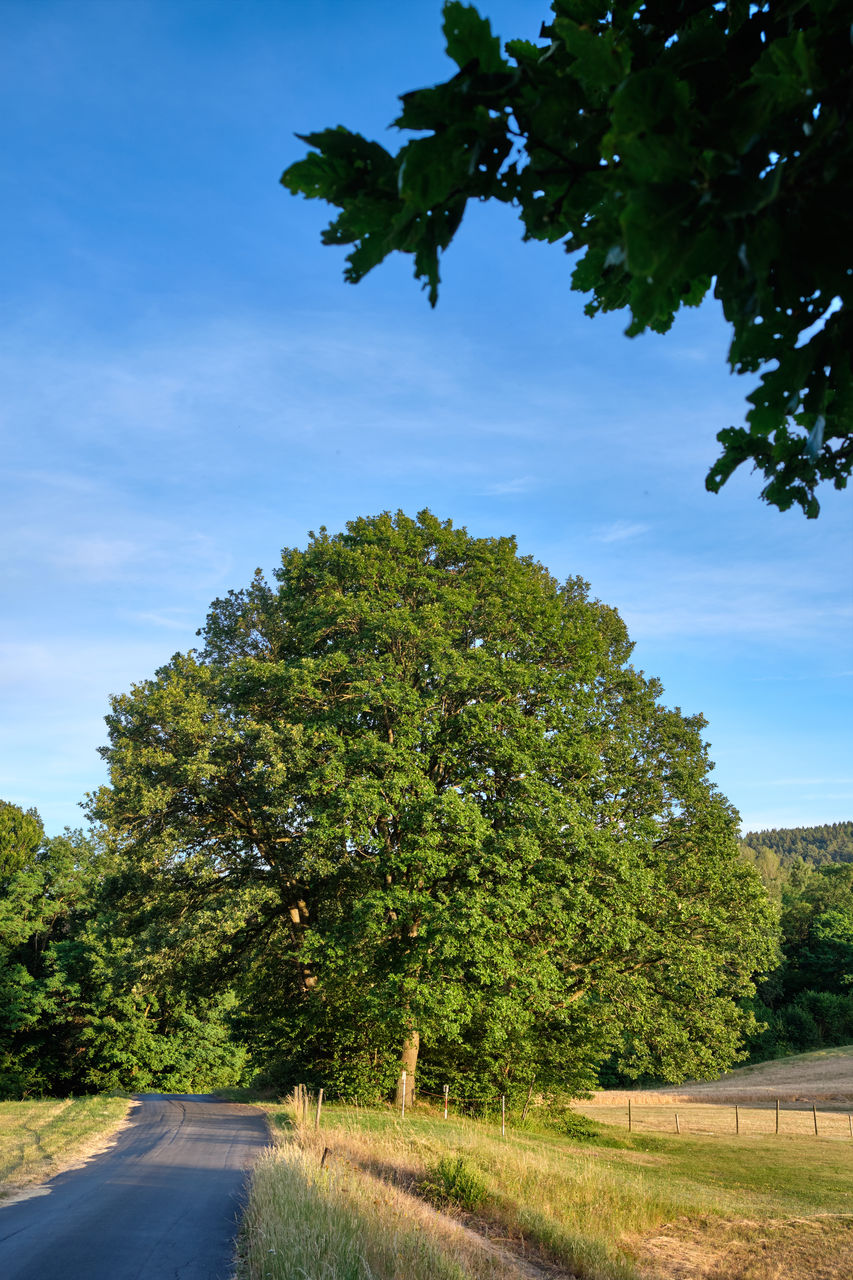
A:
571, 1125
453, 1181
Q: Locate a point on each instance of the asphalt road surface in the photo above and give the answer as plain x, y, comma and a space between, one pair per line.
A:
162, 1204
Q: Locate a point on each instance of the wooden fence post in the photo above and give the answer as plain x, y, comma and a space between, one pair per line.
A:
814, 1114
403, 1104
737, 1119
850, 1124
777, 1115
446, 1092
527, 1101
629, 1115
503, 1115
319, 1105
677, 1129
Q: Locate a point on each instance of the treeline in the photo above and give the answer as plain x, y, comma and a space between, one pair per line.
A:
814, 845
102, 989
806, 1002
88, 1002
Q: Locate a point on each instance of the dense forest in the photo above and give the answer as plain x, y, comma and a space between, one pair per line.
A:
814, 845
409, 807
806, 1002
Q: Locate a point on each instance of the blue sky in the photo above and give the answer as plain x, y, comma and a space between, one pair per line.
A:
189, 386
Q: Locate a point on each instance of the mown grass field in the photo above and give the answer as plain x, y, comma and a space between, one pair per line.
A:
721, 1119
823, 1076
617, 1208
822, 1080
39, 1138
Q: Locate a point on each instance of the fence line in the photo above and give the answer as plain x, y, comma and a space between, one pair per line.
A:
301, 1102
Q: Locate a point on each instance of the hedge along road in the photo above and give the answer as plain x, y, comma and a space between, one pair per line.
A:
162, 1204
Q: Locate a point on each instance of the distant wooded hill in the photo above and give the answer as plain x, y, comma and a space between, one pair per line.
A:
807, 1002
815, 845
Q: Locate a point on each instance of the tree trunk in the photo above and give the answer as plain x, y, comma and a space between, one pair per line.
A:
299, 917
409, 1064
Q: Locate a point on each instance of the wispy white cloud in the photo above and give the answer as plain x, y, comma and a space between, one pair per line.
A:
620, 531
177, 620
67, 480
674, 594
152, 475
96, 558
74, 665
503, 488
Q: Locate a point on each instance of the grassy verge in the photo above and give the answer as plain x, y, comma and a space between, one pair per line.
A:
334, 1222
39, 1138
612, 1209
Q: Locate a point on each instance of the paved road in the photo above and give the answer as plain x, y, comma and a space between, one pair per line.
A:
162, 1204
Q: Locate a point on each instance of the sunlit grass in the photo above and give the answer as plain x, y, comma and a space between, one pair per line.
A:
37, 1138
591, 1209
333, 1222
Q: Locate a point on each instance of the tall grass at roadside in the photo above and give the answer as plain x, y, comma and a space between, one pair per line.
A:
313, 1213
37, 1138
588, 1207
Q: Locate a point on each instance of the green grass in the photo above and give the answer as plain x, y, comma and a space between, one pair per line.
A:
331, 1223
38, 1138
589, 1208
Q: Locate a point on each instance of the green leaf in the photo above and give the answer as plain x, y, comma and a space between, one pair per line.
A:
469, 38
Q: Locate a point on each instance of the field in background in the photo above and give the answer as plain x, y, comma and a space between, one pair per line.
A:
809, 1086
824, 1077
706, 1119
350, 1198
39, 1138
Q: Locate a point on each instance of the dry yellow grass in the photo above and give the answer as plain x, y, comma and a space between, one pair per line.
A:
822, 1080
316, 1214
824, 1077
705, 1204
819, 1248
708, 1118
40, 1138
648, 1207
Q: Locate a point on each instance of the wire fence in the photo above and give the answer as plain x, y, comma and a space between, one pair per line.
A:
700, 1119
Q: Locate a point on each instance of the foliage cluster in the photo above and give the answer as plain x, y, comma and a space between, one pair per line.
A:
421, 803
87, 1003
410, 803
807, 1001
672, 148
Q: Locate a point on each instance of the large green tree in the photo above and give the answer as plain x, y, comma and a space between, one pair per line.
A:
434, 801
675, 146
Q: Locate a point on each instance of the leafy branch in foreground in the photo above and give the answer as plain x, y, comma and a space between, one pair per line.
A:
675, 147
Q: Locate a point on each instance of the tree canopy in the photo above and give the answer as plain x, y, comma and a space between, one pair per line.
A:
674, 147
419, 784
88, 999
807, 1001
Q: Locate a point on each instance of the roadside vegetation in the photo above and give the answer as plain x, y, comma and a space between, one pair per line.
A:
39, 1138
355, 1200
